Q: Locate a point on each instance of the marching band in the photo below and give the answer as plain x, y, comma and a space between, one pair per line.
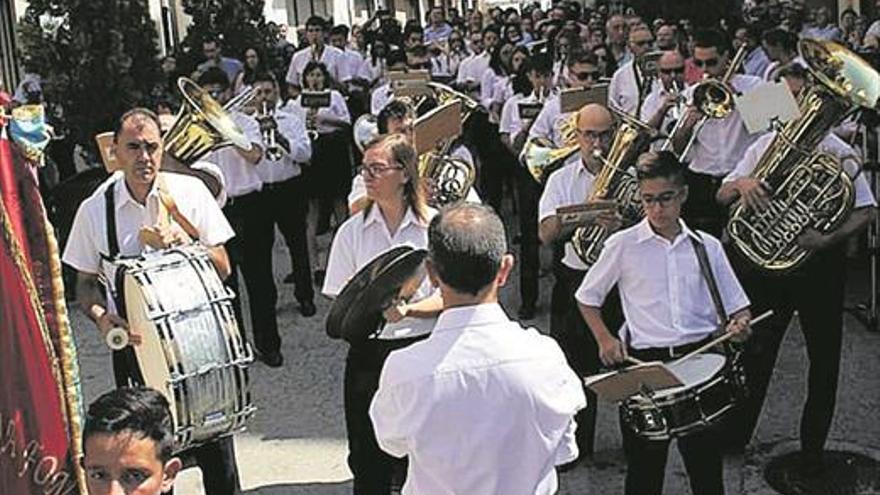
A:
670, 222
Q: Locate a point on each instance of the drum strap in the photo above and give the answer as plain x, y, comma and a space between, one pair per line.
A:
706, 268
112, 241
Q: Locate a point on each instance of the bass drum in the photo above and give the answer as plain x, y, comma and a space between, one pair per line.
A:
192, 351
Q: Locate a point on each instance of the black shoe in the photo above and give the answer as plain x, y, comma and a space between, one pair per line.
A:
289, 278
307, 308
526, 312
319, 277
271, 359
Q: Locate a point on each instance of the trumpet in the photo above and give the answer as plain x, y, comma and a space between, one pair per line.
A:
311, 130
677, 111
268, 127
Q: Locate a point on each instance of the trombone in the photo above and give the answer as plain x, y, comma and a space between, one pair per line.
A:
713, 99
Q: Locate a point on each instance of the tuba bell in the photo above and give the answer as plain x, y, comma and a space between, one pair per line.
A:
808, 189
202, 125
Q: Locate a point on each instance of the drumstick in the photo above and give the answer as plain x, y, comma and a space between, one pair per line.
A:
721, 339
633, 360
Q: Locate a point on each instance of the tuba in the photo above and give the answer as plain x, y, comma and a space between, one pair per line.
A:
713, 98
615, 182
202, 125
541, 157
808, 189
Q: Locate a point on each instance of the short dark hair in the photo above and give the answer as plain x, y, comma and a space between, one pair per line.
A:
394, 109
780, 37
466, 244
542, 63
792, 69
582, 57
395, 56
137, 111
141, 411
492, 28
339, 29
214, 75
660, 165
316, 21
264, 76
316, 65
712, 38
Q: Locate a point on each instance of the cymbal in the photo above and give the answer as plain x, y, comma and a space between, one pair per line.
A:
356, 312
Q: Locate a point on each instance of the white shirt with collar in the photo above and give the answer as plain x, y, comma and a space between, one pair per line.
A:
653, 102
240, 175
374, 73
488, 82
473, 68
331, 57
623, 91
337, 109
380, 98
756, 62
88, 235
666, 301
570, 185
547, 122
362, 238
292, 127
722, 142
351, 63
830, 144
481, 406
510, 122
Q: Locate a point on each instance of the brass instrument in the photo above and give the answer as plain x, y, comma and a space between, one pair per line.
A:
615, 182
311, 125
713, 98
808, 189
541, 157
365, 129
274, 151
202, 125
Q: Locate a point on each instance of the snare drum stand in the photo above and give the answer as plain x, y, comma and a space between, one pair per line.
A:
867, 312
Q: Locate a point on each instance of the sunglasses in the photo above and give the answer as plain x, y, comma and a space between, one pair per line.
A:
674, 70
711, 62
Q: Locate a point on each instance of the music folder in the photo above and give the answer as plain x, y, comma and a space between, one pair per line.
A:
766, 106
616, 386
410, 83
315, 99
529, 110
584, 213
573, 99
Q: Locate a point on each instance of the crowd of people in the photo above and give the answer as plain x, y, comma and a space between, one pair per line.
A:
425, 391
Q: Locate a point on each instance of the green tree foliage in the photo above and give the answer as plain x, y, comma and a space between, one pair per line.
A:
237, 23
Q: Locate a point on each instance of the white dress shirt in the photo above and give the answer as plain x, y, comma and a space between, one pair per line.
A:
482, 406
380, 98
547, 122
722, 142
510, 122
570, 185
331, 57
473, 68
88, 235
337, 109
292, 127
653, 102
362, 238
487, 91
375, 73
623, 91
240, 175
666, 301
830, 144
756, 62
351, 63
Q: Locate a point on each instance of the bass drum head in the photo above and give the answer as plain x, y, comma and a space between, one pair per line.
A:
694, 371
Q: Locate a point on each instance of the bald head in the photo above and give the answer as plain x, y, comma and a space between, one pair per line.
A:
595, 117
594, 132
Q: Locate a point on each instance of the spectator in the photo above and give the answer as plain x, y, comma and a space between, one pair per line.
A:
756, 60
615, 38
822, 27
439, 30
253, 64
214, 58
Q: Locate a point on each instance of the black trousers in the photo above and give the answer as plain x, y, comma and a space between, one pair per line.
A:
215, 459
816, 292
248, 250
528, 193
495, 167
370, 465
579, 345
701, 210
285, 204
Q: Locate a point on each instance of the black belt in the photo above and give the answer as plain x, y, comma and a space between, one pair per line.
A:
667, 353
272, 186
695, 178
231, 200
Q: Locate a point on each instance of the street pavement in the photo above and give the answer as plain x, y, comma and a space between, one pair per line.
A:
296, 442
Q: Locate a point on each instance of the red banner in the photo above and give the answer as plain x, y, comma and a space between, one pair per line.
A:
40, 409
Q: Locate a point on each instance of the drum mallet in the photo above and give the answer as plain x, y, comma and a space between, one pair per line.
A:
116, 338
723, 338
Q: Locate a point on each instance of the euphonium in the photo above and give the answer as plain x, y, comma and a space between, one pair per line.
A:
615, 182
541, 157
713, 99
202, 125
808, 189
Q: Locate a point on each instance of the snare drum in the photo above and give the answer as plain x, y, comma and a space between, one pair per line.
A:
712, 386
192, 351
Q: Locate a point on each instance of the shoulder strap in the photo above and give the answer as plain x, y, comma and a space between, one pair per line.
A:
706, 268
110, 212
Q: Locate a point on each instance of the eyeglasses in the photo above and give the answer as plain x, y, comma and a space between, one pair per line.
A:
662, 199
377, 169
710, 62
674, 70
591, 75
594, 136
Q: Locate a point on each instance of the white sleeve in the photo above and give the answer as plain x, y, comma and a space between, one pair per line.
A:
543, 126
358, 190
293, 76
602, 276
213, 227
615, 89
294, 129
388, 418
341, 262
338, 107
250, 127
550, 197
82, 251
510, 122
750, 158
486, 87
